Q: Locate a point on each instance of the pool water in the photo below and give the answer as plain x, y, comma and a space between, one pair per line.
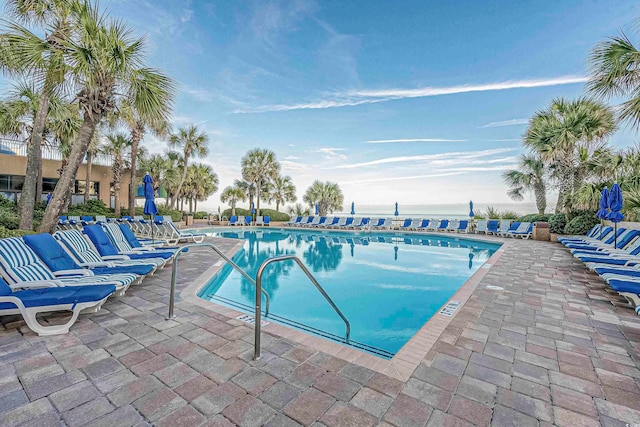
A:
388, 285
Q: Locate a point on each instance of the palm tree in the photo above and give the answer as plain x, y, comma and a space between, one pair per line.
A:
138, 125
298, 210
327, 195
281, 190
156, 166
117, 146
249, 189
192, 142
25, 53
232, 195
615, 72
104, 56
201, 183
92, 150
529, 177
565, 136
259, 166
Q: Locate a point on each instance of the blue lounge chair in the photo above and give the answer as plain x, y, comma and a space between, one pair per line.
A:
623, 240
57, 259
593, 233
406, 224
248, 220
21, 264
423, 225
523, 234
443, 225
30, 302
333, 222
267, 221
106, 247
607, 238
481, 226
233, 220
87, 220
293, 221
463, 226
117, 237
493, 227
512, 228
85, 253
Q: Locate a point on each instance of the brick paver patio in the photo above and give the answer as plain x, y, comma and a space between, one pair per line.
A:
551, 348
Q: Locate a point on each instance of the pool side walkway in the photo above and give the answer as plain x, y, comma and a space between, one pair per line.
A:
549, 348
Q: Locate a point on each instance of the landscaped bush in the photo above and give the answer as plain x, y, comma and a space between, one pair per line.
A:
200, 215
581, 224
557, 223
5, 232
534, 218
176, 216
509, 215
9, 218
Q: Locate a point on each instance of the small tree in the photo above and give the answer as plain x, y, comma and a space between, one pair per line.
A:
232, 195
327, 195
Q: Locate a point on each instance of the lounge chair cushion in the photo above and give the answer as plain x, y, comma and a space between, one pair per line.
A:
55, 296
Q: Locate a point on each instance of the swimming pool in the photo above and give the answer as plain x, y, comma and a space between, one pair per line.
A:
388, 285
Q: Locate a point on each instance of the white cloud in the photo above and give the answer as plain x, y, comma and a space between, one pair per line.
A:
293, 166
333, 153
426, 157
502, 140
197, 93
359, 97
512, 122
292, 158
387, 141
402, 178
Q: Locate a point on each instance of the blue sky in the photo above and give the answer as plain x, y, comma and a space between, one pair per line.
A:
415, 101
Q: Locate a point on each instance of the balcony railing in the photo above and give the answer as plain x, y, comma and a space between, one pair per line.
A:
49, 152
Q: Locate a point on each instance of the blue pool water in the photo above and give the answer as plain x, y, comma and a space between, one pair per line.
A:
387, 284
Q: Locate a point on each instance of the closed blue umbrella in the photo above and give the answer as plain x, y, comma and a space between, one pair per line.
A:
471, 214
316, 208
150, 207
253, 208
396, 212
604, 207
353, 208
615, 206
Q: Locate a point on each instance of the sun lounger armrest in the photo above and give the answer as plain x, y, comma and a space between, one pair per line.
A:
96, 264
37, 284
77, 272
142, 249
116, 258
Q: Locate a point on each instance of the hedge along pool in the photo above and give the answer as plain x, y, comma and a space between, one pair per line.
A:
388, 285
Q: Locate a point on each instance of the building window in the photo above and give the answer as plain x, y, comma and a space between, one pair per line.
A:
94, 188
48, 185
11, 182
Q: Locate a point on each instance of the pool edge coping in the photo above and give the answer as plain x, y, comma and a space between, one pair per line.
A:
400, 366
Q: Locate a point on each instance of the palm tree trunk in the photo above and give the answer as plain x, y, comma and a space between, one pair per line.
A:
277, 206
136, 136
195, 206
184, 175
190, 205
78, 150
233, 208
257, 199
541, 197
117, 178
40, 177
87, 179
27, 200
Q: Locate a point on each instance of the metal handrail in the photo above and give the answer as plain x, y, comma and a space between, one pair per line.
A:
174, 275
257, 325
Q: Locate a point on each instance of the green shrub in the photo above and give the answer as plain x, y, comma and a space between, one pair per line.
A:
557, 223
200, 215
534, 218
9, 218
6, 203
176, 216
5, 232
510, 215
581, 224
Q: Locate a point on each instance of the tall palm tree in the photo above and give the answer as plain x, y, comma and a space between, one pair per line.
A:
327, 195
249, 189
117, 146
104, 56
529, 177
92, 150
193, 142
258, 167
232, 195
298, 210
565, 136
41, 59
138, 124
615, 72
281, 190
156, 166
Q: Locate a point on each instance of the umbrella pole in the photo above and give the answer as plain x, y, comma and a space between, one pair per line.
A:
615, 235
153, 240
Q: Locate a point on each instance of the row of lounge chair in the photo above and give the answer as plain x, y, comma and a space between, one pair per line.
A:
503, 228
619, 266
161, 228
73, 270
248, 220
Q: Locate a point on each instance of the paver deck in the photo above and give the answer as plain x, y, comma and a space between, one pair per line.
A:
551, 347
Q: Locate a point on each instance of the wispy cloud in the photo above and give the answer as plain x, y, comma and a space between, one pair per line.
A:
291, 158
402, 178
197, 93
391, 141
426, 157
512, 122
332, 152
502, 140
293, 166
358, 97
